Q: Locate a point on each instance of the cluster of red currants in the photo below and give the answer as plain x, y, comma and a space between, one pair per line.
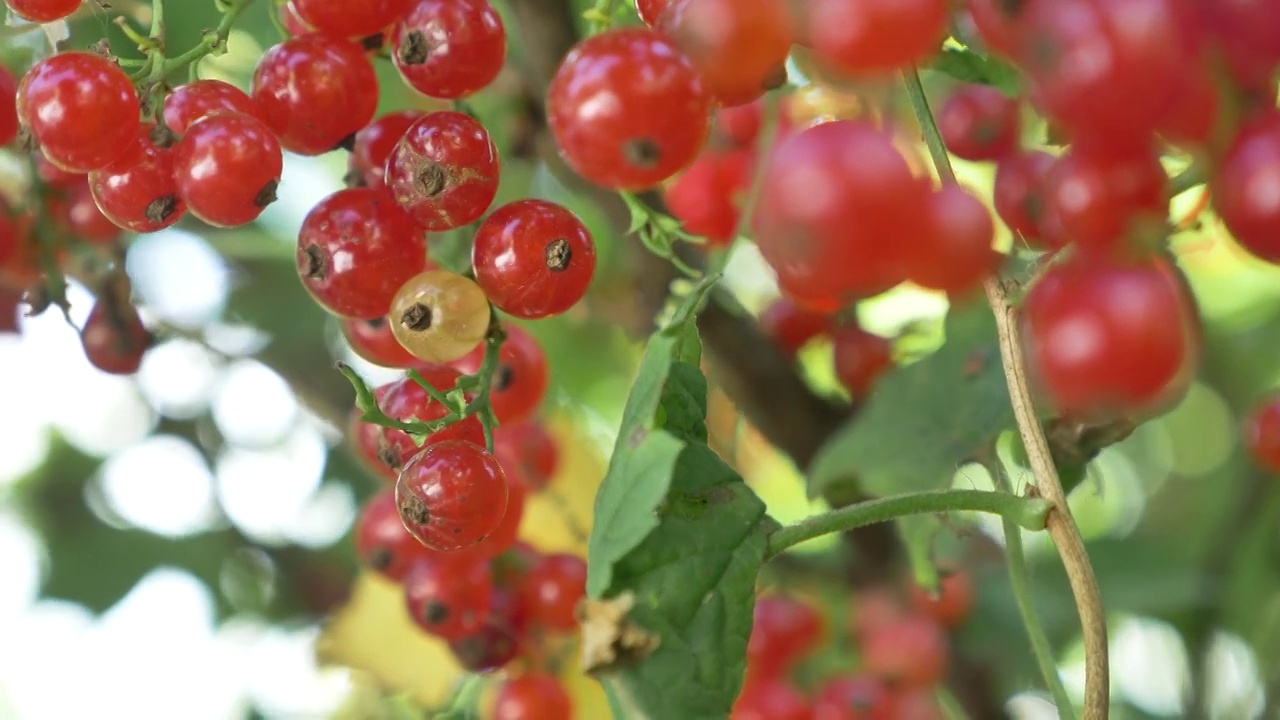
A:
900, 639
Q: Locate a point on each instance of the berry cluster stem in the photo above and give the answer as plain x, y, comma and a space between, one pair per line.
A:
1061, 525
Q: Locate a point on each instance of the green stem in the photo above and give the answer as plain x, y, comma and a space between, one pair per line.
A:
950, 706
157, 22
1194, 175
928, 126
212, 42
1026, 512
466, 697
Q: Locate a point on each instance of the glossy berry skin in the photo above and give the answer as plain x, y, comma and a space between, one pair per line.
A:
533, 696
449, 48
81, 108
503, 537
956, 253
527, 452
371, 446
137, 191
1106, 337
449, 597
909, 652
54, 176
1261, 433
861, 359
875, 36
439, 316
375, 141
373, 340
707, 197
979, 122
43, 11
995, 25
227, 167
382, 543
1242, 185
444, 170
1019, 195
552, 589
114, 339
406, 401
952, 603
791, 326
1100, 197
8, 106
451, 495
350, 19
520, 382
740, 124
292, 23
498, 642
314, 91
853, 698
650, 10
193, 101
772, 699
784, 630
601, 109
356, 248
533, 258
738, 48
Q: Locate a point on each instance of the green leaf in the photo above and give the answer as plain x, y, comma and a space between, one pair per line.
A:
969, 66
923, 420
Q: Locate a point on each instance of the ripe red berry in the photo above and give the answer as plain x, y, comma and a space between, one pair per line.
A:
448, 596
527, 452
76, 212
1261, 432
451, 495
1243, 187
708, 196
81, 108
1019, 195
854, 697
740, 124
533, 696
227, 167
8, 106
54, 176
381, 541
498, 642
356, 248
952, 603
449, 48
371, 446
373, 340
43, 11
137, 191
771, 699
114, 338
375, 141
1109, 336
195, 100
1100, 196
994, 22
314, 91
602, 108
503, 537
861, 359
650, 10
979, 122
1247, 34
439, 316
956, 254
783, 631
407, 401
350, 19
520, 382
874, 36
552, 589
533, 258
444, 170
791, 326
738, 48
910, 651
292, 23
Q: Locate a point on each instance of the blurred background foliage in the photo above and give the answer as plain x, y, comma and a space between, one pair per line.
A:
176, 545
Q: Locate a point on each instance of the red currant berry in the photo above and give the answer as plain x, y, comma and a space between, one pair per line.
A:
1018, 193
956, 254
1194, 112
1106, 336
498, 642
137, 191
601, 107
114, 338
738, 48
791, 326
952, 603
1101, 196
382, 543
373, 340
406, 401
504, 536
853, 698
193, 101
356, 248
449, 597
707, 197
292, 23
76, 212
511, 567
81, 108
449, 48
43, 11
871, 609
8, 106
1248, 34
520, 382
451, 495
906, 652
741, 124
314, 91
349, 19
784, 630
861, 359
533, 696
371, 446
533, 258
650, 10
1262, 433
527, 452
227, 167
54, 176
1243, 185
375, 141
979, 122
444, 170
874, 36
994, 22
772, 699
552, 589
